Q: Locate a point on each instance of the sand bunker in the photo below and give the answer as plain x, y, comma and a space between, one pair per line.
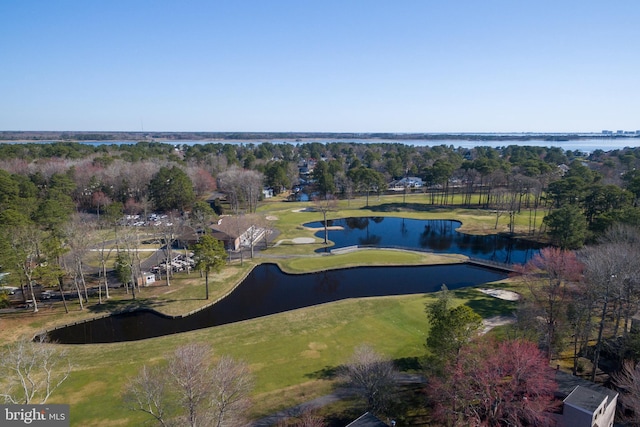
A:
492, 322
502, 294
303, 240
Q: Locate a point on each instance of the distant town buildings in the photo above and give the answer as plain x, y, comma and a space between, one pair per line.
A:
621, 132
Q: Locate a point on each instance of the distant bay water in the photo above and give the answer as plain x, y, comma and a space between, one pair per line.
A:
586, 145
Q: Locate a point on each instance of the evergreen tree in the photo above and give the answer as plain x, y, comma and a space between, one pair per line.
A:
171, 188
209, 255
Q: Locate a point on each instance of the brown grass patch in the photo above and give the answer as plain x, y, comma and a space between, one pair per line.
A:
267, 403
88, 391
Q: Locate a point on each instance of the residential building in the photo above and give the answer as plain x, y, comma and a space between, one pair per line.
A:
587, 407
408, 182
586, 404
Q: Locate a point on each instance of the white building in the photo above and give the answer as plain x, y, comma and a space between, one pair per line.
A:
148, 278
408, 182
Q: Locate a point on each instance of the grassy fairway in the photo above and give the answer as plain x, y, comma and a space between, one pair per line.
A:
292, 354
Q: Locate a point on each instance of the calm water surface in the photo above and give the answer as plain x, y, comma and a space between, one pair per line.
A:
431, 235
267, 290
586, 145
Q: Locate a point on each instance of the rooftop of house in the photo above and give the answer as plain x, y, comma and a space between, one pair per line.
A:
579, 392
230, 227
586, 398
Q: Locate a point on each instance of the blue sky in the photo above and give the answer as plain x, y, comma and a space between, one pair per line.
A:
333, 66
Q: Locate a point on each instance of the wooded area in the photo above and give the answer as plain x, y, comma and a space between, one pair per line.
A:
59, 200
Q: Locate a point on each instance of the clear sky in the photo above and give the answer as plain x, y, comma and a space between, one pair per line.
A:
332, 66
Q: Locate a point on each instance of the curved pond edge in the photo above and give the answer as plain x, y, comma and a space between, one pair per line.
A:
151, 310
505, 268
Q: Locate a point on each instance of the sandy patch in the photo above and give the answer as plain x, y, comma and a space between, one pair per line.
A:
502, 294
272, 218
331, 227
301, 210
492, 322
303, 240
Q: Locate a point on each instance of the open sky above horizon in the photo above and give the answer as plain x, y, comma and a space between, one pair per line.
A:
324, 66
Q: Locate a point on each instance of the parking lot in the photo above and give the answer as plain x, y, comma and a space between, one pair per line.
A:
152, 220
178, 263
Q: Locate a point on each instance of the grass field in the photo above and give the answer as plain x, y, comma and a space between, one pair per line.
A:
293, 354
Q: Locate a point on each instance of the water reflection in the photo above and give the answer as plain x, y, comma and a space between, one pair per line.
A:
432, 235
267, 290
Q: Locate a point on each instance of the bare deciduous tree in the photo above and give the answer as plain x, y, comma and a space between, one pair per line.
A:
168, 233
548, 276
189, 369
310, 419
302, 417
628, 300
78, 233
231, 384
32, 371
146, 392
609, 268
25, 257
242, 187
203, 182
193, 389
502, 201
373, 376
628, 382
325, 204
128, 254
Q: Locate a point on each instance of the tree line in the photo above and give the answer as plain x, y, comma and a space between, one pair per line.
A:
42, 186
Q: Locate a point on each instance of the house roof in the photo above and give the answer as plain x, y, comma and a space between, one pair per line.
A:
230, 227
367, 420
585, 398
581, 393
220, 235
567, 383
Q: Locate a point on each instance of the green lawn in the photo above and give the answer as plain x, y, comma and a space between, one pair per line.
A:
294, 351
365, 257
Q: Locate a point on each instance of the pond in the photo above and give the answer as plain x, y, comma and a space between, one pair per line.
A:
267, 290
431, 235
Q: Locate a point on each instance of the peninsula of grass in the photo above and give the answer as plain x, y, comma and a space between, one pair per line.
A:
366, 257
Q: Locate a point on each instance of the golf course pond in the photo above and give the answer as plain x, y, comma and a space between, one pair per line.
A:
438, 236
267, 290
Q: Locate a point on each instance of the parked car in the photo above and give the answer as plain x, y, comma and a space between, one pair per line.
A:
47, 295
